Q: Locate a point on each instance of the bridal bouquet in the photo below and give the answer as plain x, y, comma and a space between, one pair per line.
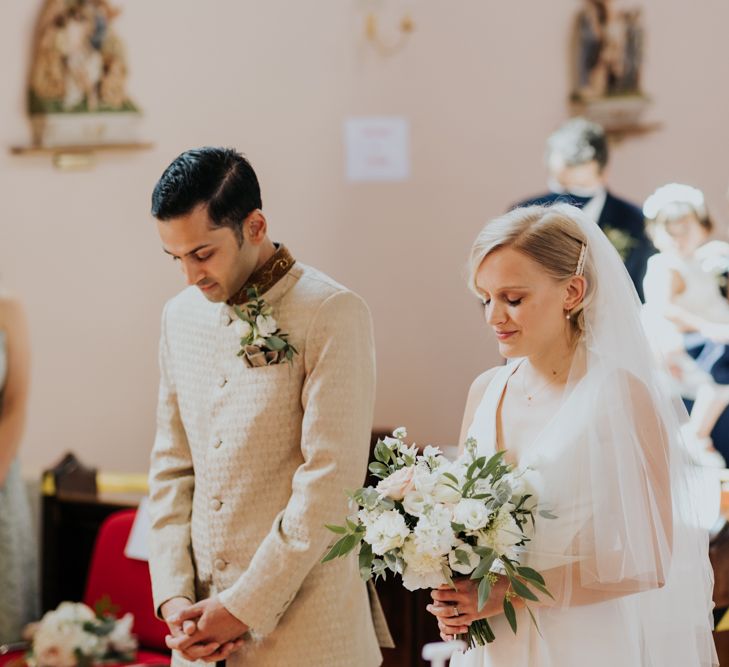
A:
430, 519
73, 635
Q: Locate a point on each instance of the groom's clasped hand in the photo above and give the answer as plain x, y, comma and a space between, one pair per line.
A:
203, 631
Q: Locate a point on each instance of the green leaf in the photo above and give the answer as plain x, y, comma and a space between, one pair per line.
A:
534, 620
530, 574
484, 552
462, 557
335, 529
365, 559
342, 547
510, 614
451, 477
378, 469
476, 464
382, 452
546, 514
483, 568
484, 590
521, 590
275, 343
447, 575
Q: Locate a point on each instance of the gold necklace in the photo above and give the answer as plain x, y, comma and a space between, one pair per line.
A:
530, 396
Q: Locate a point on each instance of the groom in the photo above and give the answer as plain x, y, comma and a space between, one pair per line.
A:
263, 422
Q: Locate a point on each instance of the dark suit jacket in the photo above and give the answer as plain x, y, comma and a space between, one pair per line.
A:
622, 216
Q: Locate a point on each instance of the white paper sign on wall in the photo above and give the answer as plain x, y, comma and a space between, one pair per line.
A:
378, 148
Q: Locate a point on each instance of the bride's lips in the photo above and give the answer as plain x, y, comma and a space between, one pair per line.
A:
504, 335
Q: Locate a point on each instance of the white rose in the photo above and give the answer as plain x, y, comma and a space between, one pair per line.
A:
266, 325
464, 549
422, 570
400, 433
471, 513
443, 493
387, 532
423, 479
398, 484
244, 329
416, 503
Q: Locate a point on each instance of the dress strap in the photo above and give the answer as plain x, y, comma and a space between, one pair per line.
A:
483, 426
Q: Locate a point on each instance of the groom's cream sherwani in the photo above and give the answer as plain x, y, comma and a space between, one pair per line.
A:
250, 463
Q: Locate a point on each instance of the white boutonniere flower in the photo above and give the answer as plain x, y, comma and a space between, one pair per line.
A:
262, 342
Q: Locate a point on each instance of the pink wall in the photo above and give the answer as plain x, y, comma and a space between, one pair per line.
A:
482, 82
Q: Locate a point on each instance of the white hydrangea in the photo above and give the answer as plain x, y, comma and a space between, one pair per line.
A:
433, 534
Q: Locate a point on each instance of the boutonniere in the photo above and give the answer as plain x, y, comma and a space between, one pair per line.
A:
622, 241
262, 343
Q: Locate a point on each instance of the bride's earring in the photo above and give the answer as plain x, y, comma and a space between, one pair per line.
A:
568, 315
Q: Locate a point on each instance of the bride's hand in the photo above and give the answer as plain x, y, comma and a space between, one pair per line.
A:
457, 609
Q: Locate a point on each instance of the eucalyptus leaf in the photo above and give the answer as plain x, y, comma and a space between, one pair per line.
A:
510, 614
522, 591
484, 590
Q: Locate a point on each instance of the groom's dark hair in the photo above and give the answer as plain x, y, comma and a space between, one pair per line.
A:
220, 178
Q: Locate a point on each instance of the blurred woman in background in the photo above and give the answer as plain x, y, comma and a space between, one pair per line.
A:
18, 559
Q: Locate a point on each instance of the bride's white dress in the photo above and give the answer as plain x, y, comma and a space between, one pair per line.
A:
609, 633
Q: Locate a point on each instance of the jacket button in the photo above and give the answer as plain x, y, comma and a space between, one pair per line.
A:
222, 381
217, 443
220, 564
215, 504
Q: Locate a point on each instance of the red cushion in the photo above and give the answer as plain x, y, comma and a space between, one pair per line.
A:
125, 581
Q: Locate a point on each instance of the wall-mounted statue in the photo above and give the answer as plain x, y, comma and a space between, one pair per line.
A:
78, 80
608, 61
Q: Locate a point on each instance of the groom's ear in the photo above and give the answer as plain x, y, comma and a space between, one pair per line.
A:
255, 227
575, 292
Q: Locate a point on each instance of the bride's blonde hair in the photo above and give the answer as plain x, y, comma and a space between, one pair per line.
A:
549, 235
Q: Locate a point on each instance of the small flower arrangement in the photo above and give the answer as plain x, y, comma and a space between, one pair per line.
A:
430, 520
261, 340
74, 635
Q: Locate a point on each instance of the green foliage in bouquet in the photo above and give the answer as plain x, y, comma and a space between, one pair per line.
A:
430, 520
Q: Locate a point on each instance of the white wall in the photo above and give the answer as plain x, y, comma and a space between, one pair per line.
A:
482, 82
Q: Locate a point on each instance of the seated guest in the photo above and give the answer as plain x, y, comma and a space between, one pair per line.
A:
18, 600
577, 156
686, 313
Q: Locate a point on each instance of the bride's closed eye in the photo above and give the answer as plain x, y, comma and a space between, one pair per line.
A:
511, 302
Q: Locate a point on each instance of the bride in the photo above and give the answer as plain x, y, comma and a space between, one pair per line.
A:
583, 412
